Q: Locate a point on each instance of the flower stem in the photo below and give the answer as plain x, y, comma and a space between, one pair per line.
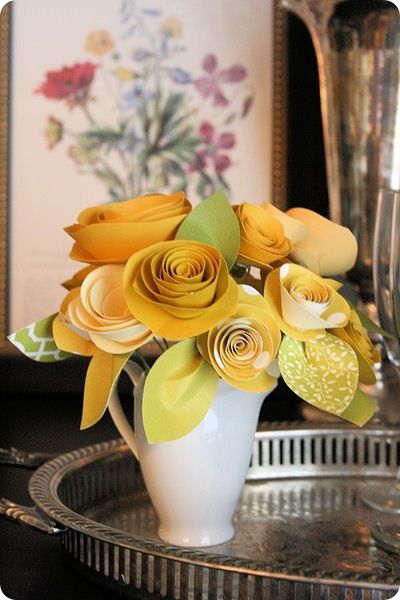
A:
143, 361
157, 341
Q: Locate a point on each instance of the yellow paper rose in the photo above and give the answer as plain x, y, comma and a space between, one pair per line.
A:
97, 312
241, 348
110, 233
354, 334
179, 289
262, 237
328, 248
303, 304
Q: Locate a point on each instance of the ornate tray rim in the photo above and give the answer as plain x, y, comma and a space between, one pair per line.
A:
43, 487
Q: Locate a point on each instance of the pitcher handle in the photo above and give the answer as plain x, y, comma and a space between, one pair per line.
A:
117, 414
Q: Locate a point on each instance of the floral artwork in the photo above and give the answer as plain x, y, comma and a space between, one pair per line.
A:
157, 134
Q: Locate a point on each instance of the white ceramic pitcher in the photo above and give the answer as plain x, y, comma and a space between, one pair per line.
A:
195, 482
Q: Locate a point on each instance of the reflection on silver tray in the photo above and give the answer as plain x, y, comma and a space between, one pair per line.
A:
301, 530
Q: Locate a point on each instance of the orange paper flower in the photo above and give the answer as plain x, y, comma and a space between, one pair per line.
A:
111, 233
179, 288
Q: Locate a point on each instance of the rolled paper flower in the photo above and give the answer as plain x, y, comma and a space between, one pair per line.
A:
243, 347
328, 249
367, 354
294, 229
179, 289
262, 237
304, 304
111, 233
98, 312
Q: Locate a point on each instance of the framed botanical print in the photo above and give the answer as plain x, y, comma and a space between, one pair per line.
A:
112, 99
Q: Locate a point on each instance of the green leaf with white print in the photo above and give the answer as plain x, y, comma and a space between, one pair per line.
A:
36, 341
324, 372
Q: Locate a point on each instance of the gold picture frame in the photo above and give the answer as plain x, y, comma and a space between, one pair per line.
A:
278, 151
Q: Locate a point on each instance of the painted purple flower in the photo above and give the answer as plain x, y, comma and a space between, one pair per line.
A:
180, 76
210, 152
221, 163
199, 163
206, 131
210, 84
137, 96
142, 54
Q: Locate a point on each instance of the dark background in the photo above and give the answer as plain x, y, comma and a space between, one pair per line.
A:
41, 404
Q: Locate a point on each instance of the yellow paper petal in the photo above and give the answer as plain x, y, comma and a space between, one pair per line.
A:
294, 229
354, 335
262, 237
113, 346
101, 378
77, 279
110, 233
328, 249
178, 392
70, 341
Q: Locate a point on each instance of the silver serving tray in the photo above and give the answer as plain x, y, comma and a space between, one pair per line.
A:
302, 532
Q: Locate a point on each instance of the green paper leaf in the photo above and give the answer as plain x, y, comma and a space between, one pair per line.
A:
178, 392
36, 341
101, 378
368, 323
213, 222
360, 410
323, 372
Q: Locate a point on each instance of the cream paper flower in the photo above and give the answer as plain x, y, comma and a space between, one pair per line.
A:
304, 304
98, 312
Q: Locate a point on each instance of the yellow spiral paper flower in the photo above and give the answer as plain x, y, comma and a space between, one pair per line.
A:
354, 334
243, 347
97, 312
179, 289
303, 304
111, 233
262, 237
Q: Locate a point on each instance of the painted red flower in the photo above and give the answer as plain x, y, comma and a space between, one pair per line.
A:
210, 84
69, 83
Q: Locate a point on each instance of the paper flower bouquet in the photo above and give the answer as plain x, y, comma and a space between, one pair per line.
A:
243, 293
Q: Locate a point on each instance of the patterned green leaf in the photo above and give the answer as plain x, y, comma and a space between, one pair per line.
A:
323, 372
36, 341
